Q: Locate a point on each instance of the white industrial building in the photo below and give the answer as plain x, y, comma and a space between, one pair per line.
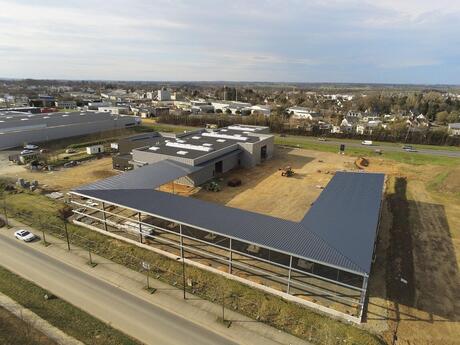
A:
17, 128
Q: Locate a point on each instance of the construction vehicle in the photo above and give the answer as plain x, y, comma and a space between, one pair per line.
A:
213, 186
287, 171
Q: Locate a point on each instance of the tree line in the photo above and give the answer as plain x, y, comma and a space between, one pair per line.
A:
278, 124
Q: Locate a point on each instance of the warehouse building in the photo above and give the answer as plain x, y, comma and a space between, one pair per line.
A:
209, 152
18, 128
323, 261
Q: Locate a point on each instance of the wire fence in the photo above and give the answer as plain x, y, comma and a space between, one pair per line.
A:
202, 284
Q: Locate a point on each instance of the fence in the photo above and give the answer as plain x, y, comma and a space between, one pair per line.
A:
231, 295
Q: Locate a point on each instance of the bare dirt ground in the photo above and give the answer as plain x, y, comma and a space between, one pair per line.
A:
65, 178
419, 239
264, 190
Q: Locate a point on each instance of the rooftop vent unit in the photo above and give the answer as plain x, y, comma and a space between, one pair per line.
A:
182, 153
242, 128
189, 146
154, 148
224, 136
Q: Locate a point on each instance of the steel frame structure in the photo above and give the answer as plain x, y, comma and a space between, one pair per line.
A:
286, 274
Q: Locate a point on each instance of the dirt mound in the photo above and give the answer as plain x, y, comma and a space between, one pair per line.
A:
362, 163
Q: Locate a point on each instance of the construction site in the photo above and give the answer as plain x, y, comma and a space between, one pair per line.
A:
406, 295
300, 253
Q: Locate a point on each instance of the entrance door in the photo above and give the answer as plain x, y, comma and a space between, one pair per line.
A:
219, 167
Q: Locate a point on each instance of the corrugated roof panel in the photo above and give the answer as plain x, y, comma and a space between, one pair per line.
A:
147, 177
275, 233
346, 215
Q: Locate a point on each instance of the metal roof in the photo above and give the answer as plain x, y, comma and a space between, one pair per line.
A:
339, 230
346, 215
145, 178
270, 232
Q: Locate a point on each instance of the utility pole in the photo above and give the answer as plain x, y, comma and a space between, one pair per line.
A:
183, 273
66, 234
223, 306
5, 211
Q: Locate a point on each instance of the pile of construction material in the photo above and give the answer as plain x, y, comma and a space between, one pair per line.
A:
26, 184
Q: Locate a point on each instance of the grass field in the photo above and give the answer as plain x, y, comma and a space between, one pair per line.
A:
254, 303
60, 314
14, 331
402, 157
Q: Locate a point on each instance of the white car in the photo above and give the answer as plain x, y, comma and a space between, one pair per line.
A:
30, 147
24, 235
27, 152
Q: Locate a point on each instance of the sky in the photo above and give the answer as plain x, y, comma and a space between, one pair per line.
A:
362, 41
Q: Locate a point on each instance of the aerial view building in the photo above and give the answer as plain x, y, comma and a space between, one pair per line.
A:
323, 261
17, 128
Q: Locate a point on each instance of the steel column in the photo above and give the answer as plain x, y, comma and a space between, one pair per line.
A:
181, 240
363, 298
231, 258
289, 275
104, 217
140, 225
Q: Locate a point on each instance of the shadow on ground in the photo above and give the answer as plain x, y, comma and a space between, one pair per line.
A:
418, 258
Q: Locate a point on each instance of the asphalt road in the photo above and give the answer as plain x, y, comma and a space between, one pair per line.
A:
126, 312
383, 147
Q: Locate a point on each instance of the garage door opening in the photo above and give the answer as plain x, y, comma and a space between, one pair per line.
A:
263, 152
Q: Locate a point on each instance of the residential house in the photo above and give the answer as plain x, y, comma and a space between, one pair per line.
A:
454, 128
302, 113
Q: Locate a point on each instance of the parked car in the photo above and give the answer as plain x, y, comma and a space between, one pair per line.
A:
27, 152
91, 203
367, 142
70, 164
31, 147
24, 235
70, 151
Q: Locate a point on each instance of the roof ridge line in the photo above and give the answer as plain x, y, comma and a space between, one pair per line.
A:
330, 246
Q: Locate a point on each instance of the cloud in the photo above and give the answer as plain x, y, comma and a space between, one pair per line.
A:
295, 40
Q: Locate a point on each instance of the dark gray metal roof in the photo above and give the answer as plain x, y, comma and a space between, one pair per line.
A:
346, 215
265, 231
145, 178
354, 223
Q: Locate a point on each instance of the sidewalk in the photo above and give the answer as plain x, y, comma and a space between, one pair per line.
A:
242, 330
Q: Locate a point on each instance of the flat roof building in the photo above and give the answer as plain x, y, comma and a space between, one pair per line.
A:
213, 151
17, 128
